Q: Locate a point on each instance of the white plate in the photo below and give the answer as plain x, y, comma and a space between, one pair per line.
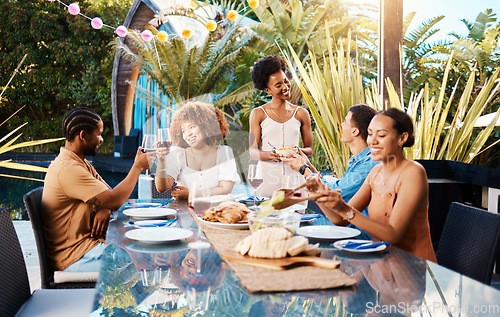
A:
151, 223
158, 235
156, 248
301, 209
221, 225
143, 205
328, 232
341, 243
148, 213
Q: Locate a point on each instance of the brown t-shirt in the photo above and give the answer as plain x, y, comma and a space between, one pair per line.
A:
67, 219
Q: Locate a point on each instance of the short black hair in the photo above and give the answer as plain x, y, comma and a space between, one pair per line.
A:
79, 119
264, 68
361, 117
402, 123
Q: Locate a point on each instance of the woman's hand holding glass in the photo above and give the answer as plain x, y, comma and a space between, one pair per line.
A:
148, 145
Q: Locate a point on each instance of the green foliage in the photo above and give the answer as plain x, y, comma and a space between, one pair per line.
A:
329, 90
477, 51
185, 71
434, 137
68, 63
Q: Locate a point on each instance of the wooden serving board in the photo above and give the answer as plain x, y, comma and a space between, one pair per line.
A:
282, 263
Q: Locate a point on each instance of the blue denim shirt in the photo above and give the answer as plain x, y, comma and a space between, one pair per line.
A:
357, 170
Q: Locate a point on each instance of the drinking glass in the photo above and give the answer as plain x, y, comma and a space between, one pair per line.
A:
198, 299
254, 179
150, 277
198, 203
148, 145
163, 138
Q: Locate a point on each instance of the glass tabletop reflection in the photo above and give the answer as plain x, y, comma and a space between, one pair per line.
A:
172, 279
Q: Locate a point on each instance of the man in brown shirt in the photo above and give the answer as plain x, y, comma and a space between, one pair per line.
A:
76, 200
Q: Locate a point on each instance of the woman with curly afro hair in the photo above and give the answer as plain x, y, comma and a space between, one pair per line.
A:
197, 130
276, 124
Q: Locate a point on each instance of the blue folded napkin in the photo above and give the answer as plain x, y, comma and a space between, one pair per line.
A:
251, 198
146, 205
310, 217
160, 224
364, 245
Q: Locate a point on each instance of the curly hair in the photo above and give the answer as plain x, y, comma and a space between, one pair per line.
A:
211, 121
264, 68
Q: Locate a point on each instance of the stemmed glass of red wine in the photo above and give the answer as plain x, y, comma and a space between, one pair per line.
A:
163, 138
254, 179
148, 146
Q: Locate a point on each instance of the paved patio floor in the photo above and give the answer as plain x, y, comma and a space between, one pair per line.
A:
28, 245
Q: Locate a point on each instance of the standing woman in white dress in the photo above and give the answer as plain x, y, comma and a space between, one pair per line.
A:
276, 124
197, 131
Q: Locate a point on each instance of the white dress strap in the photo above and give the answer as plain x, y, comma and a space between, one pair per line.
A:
296, 109
264, 111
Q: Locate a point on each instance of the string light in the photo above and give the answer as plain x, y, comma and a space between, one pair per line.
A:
147, 35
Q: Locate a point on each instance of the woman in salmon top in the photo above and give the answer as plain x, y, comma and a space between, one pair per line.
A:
396, 191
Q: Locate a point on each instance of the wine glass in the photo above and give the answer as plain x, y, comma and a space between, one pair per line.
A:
198, 203
254, 179
163, 138
148, 145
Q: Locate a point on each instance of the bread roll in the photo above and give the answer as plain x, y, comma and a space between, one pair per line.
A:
297, 245
274, 242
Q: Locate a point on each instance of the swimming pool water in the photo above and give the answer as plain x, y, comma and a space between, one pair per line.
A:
12, 190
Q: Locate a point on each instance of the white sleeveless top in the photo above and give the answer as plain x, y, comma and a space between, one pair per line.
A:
224, 169
281, 135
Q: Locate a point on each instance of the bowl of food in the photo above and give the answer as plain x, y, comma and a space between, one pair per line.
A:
285, 151
260, 220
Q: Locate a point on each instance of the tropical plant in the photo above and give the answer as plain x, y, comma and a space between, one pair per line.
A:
68, 63
185, 70
329, 90
437, 139
422, 61
480, 50
10, 145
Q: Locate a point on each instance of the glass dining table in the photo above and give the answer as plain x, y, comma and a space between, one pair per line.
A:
173, 279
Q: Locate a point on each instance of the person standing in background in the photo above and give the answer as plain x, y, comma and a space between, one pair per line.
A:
276, 124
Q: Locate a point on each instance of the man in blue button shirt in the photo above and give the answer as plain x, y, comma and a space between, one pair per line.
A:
354, 134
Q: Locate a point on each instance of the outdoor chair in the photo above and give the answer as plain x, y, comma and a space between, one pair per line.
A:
125, 146
49, 277
469, 242
15, 296
155, 194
